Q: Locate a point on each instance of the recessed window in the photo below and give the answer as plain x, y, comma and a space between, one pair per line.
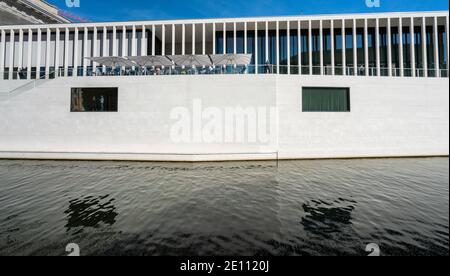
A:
94, 100
324, 99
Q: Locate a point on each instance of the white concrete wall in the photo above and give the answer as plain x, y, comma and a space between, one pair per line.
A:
389, 117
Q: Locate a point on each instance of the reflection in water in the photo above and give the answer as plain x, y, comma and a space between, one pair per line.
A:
325, 218
323, 207
90, 212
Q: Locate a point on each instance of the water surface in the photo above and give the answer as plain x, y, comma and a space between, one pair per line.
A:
326, 207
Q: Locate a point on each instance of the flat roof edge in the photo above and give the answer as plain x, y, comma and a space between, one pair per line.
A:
236, 19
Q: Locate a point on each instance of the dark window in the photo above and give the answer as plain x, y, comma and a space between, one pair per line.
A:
230, 42
94, 100
305, 51
262, 48
321, 99
251, 50
240, 42
349, 47
219, 43
283, 53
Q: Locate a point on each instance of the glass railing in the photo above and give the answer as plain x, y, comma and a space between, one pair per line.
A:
27, 75
222, 70
171, 70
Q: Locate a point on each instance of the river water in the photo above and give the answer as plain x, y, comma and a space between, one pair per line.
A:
323, 207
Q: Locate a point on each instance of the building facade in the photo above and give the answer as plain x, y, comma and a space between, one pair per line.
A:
341, 86
14, 12
396, 44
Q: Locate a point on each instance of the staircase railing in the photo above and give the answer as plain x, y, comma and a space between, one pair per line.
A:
27, 86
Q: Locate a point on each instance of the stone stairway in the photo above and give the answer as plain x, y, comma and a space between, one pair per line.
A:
29, 86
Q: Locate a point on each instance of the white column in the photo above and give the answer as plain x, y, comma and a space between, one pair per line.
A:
266, 58
355, 49
11, 55
321, 46
310, 47
124, 41
299, 35
400, 48
2, 55
214, 38
85, 47
30, 53
95, 49
436, 48
413, 47
366, 46
173, 39
224, 38
377, 41
245, 39
144, 42
256, 48
133, 41
104, 39
47, 54
234, 38
154, 39
163, 40
204, 39
278, 46
20, 50
39, 51
245, 42
333, 70
66, 53
56, 53
193, 39
183, 40
288, 36
75, 54
448, 51
424, 47
344, 49
114, 38
389, 42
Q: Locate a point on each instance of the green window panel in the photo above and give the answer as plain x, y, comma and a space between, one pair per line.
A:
324, 99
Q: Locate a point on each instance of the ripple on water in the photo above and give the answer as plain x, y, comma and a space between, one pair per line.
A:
327, 207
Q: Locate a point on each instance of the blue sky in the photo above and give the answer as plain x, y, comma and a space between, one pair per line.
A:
124, 10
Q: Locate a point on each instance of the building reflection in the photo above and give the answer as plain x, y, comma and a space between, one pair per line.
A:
90, 212
325, 218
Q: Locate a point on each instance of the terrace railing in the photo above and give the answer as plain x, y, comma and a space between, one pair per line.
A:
224, 70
